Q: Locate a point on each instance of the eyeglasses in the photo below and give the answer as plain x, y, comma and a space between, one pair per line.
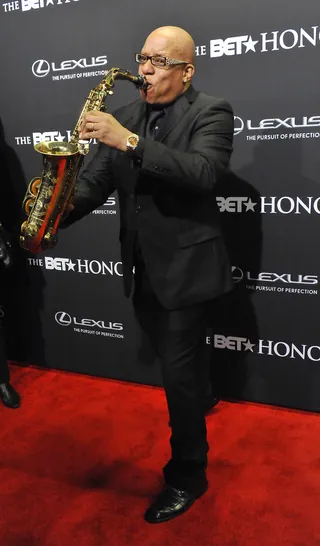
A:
157, 60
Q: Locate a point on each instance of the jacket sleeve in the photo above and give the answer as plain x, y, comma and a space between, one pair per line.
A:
198, 169
94, 185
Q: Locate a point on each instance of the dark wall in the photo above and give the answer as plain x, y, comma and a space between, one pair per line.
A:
65, 309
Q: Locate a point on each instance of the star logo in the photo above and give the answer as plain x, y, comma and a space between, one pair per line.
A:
60, 137
250, 45
250, 205
71, 265
248, 346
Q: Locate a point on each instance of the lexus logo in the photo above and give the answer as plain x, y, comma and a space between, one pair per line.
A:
237, 274
41, 68
238, 125
63, 318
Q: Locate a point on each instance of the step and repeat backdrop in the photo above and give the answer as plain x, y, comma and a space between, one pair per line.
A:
65, 308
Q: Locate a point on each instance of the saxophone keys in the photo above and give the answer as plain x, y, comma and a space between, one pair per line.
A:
34, 185
83, 147
28, 204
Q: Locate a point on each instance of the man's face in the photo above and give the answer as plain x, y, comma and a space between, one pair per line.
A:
166, 82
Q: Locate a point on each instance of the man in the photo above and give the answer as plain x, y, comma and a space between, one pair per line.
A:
164, 155
8, 394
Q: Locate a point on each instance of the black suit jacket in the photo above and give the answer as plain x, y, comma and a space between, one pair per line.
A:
167, 197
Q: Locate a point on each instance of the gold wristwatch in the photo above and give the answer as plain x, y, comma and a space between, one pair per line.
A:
132, 142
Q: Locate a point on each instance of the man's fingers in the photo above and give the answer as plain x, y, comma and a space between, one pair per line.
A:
96, 116
89, 135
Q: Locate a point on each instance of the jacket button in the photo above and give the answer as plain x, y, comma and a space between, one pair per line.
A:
138, 208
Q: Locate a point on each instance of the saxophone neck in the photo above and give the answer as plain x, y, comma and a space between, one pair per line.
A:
95, 100
139, 81
120, 74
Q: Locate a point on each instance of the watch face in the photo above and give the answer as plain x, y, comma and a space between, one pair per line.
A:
133, 140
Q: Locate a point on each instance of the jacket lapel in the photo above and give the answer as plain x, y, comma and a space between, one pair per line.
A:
175, 113
137, 123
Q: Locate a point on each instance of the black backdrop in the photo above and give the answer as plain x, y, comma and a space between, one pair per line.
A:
65, 309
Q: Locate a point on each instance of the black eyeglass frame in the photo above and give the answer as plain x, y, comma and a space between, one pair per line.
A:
167, 61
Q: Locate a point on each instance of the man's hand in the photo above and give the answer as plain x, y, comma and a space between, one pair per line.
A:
105, 128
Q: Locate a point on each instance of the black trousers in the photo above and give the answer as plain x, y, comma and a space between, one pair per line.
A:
178, 340
4, 368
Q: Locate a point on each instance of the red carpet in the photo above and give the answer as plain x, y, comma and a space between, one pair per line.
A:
82, 458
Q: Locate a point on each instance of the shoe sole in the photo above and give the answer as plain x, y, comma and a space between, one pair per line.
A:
10, 407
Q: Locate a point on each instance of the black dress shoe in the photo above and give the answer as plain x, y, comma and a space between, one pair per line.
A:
170, 504
9, 396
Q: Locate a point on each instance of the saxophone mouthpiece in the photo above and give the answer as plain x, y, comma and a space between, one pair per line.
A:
142, 83
139, 81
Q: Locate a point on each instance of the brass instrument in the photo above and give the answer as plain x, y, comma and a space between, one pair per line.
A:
47, 197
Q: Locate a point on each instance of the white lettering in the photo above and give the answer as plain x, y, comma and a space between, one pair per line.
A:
262, 346
271, 204
272, 40
309, 353
201, 50
81, 63
10, 6
301, 353
230, 46
58, 264
295, 39
311, 39
23, 140
27, 5
230, 342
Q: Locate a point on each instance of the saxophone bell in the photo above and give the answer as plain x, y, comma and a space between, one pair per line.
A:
56, 148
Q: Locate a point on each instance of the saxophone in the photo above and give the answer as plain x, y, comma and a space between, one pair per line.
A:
47, 197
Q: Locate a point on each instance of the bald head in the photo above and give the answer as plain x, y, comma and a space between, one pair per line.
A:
175, 40
169, 80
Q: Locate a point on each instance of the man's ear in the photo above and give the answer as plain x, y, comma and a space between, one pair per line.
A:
188, 73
